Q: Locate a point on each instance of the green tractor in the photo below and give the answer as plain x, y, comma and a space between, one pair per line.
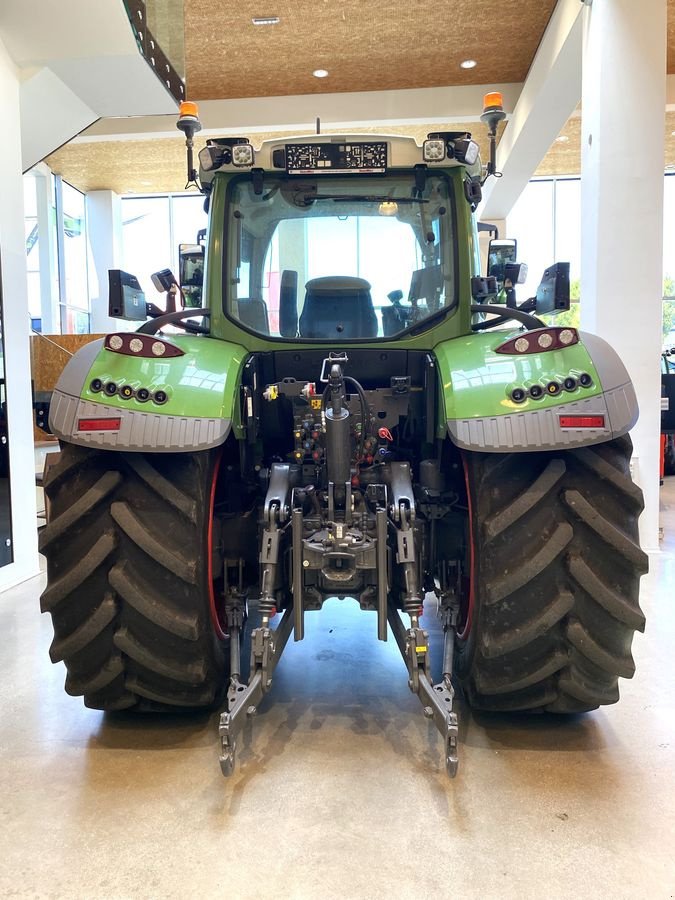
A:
348, 411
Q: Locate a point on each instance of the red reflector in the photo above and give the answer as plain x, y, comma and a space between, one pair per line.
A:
99, 424
582, 421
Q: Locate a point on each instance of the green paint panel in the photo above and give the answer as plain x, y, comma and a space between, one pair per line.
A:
477, 381
203, 383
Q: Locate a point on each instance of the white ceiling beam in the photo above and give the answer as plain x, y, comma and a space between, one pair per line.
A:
90, 48
549, 96
299, 112
50, 115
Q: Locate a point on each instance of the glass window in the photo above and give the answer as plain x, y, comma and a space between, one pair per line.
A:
531, 223
152, 230
188, 217
339, 257
567, 233
75, 249
146, 238
32, 249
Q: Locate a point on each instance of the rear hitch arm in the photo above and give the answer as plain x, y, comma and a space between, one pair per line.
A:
267, 645
437, 699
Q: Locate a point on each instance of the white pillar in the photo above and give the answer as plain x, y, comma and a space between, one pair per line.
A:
623, 102
104, 231
15, 334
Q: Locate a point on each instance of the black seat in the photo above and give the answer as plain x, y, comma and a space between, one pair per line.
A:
253, 314
338, 306
288, 303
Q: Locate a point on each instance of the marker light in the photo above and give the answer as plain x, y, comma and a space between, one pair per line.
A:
493, 100
145, 345
188, 108
99, 424
540, 340
582, 421
242, 155
433, 151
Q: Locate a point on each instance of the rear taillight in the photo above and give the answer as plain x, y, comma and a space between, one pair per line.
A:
539, 341
99, 424
582, 421
145, 345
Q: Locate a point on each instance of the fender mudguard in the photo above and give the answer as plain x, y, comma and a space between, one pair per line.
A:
477, 385
197, 393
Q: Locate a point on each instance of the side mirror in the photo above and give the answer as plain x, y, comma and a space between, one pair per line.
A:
191, 274
553, 293
499, 254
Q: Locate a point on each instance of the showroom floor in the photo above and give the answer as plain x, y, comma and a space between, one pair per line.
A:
341, 792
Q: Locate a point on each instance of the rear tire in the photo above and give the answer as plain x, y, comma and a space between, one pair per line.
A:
556, 573
128, 582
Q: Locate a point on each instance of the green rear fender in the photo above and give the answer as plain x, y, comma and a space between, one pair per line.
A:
480, 413
199, 390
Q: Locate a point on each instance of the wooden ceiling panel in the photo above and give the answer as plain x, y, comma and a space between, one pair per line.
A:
365, 45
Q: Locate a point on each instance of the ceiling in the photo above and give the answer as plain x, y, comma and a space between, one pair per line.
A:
365, 45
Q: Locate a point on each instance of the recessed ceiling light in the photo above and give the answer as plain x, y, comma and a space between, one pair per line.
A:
562, 139
320, 73
672, 133
146, 183
265, 20
468, 64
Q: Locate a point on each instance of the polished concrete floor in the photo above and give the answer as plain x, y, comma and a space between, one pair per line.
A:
340, 791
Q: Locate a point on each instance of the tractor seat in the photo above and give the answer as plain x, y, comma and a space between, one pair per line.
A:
253, 313
338, 306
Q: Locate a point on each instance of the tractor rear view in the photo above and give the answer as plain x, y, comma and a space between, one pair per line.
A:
351, 410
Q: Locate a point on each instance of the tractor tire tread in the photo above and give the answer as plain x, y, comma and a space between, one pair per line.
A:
558, 566
127, 579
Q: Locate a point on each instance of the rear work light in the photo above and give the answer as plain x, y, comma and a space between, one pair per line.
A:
99, 424
145, 345
540, 340
582, 421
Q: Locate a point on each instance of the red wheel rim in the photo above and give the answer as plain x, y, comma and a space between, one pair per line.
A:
469, 612
216, 614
